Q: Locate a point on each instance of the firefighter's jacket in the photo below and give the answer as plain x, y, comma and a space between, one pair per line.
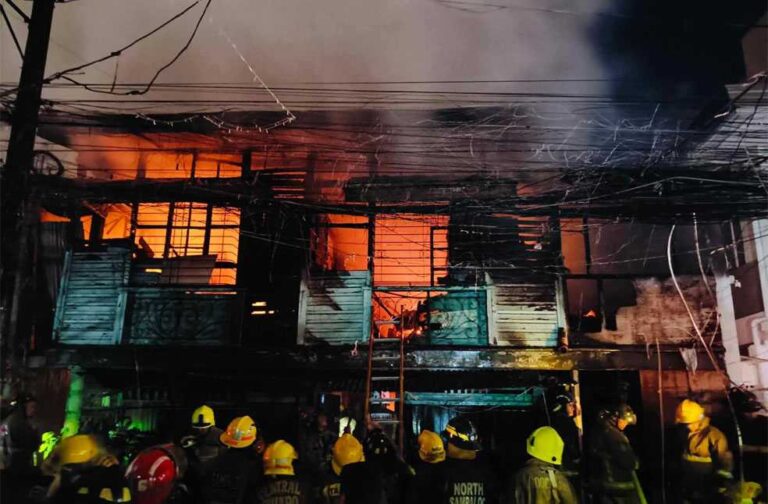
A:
18, 442
362, 483
423, 487
91, 484
282, 490
541, 483
207, 446
612, 459
468, 482
328, 489
230, 478
706, 453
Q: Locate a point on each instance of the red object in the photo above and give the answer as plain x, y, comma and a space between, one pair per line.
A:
152, 475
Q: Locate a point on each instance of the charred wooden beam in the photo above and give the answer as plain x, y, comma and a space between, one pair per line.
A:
427, 189
225, 190
667, 196
341, 358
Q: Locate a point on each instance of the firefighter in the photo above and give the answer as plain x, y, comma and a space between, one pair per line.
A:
347, 450
231, 477
563, 414
429, 469
203, 444
84, 473
19, 440
155, 476
18, 436
612, 460
706, 463
280, 484
466, 480
383, 459
540, 481
365, 481
317, 445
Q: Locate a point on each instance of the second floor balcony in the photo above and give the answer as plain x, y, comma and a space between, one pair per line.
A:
107, 298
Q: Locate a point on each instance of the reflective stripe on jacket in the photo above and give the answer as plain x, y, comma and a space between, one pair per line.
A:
706, 451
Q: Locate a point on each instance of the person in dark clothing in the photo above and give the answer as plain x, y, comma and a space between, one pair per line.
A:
18, 436
381, 478
19, 440
429, 470
317, 446
384, 460
562, 420
361, 483
201, 447
612, 460
280, 484
231, 477
466, 480
203, 444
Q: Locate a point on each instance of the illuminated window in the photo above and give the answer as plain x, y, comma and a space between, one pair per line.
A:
410, 249
117, 221
340, 242
191, 230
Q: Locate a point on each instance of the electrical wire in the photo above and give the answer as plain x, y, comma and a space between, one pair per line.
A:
11, 30
148, 86
713, 360
20, 12
117, 52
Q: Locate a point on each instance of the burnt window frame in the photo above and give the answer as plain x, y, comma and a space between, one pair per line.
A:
170, 226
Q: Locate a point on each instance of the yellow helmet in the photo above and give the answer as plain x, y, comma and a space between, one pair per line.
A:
278, 458
240, 433
689, 412
546, 445
431, 448
78, 449
203, 417
346, 450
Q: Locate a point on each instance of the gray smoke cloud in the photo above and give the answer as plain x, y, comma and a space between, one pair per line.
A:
295, 41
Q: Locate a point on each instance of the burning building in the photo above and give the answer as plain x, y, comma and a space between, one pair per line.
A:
402, 264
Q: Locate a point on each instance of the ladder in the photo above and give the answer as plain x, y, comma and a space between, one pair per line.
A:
386, 363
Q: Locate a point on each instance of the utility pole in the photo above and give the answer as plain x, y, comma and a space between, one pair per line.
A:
18, 207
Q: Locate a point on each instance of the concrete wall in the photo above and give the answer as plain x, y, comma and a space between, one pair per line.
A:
660, 313
746, 338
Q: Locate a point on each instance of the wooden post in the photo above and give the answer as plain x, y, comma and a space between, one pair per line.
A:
168, 231
245, 164
25, 114
19, 206
97, 229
